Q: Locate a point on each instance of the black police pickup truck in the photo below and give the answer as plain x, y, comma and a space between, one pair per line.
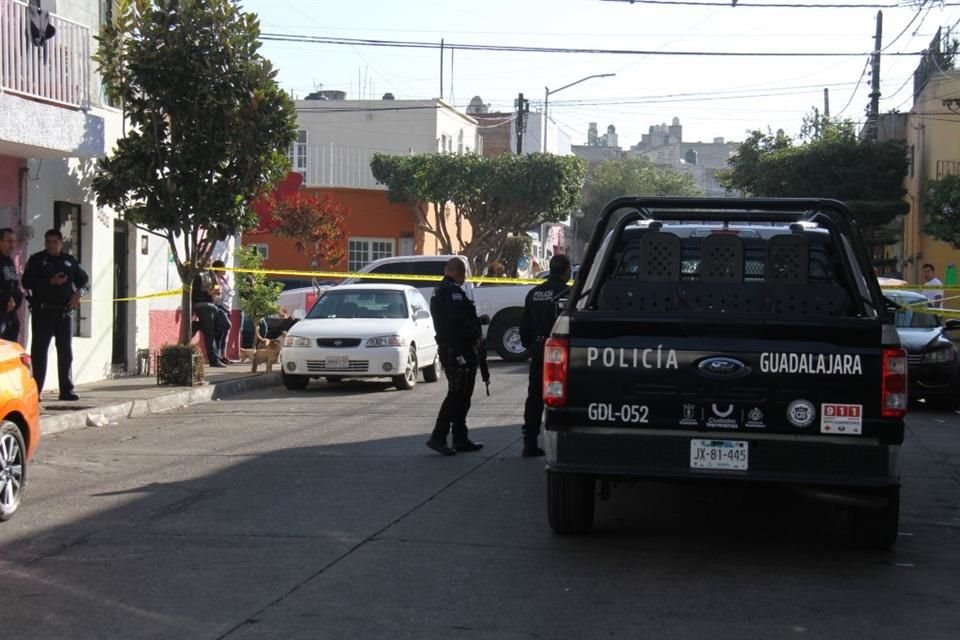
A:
721, 340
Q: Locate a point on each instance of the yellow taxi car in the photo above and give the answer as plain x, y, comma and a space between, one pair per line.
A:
19, 424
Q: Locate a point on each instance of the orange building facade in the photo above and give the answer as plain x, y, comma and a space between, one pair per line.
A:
374, 228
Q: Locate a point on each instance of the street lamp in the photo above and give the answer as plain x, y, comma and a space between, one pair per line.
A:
548, 93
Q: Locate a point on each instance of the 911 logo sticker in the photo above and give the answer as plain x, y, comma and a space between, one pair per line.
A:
842, 419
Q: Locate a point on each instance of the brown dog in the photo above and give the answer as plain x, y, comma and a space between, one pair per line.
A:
268, 355
247, 354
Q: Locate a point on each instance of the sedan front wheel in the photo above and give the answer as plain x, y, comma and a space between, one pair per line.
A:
408, 380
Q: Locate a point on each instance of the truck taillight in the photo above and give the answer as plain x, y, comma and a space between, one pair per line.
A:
894, 389
556, 354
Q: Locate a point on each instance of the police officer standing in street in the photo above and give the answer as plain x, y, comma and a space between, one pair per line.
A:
10, 295
56, 281
539, 314
459, 336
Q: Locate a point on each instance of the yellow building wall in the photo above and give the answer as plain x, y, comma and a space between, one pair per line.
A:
933, 141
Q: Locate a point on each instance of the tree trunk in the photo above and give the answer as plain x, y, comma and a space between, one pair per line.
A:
186, 316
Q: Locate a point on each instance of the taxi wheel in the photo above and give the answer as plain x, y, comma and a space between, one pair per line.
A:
13, 469
570, 500
877, 528
432, 373
408, 380
295, 383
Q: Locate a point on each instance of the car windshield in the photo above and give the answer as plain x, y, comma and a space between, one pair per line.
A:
370, 303
907, 318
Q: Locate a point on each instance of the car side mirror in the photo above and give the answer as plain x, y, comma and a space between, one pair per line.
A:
484, 319
422, 314
951, 325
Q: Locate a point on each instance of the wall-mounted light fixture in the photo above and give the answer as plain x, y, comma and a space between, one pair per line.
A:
144, 245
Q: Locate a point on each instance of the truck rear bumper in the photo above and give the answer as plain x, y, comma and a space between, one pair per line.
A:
625, 454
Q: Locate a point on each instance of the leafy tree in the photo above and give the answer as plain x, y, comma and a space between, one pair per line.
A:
609, 179
209, 127
316, 223
493, 196
258, 296
830, 162
942, 207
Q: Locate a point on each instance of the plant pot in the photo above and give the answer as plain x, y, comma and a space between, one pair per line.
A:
180, 365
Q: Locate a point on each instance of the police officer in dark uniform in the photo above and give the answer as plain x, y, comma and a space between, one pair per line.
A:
10, 295
539, 314
459, 336
55, 281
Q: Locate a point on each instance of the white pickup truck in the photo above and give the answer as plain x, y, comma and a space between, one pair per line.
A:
503, 303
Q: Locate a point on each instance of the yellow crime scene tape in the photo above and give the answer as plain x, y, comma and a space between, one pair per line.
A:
407, 277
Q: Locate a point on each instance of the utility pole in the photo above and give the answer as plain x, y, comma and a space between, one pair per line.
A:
523, 108
826, 103
873, 119
441, 68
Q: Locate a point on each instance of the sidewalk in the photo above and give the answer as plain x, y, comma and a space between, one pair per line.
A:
108, 401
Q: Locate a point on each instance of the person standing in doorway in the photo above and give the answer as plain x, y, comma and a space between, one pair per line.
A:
539, 314
11, 297
935, 296
56, 281
458, 338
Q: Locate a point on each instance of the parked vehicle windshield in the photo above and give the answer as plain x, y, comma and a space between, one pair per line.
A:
372, 303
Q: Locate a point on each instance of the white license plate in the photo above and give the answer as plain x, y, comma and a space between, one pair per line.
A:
719, 454
338, 362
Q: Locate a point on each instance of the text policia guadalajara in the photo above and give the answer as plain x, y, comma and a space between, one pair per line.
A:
660, 358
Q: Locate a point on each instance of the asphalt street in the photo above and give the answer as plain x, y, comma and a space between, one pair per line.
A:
322, 514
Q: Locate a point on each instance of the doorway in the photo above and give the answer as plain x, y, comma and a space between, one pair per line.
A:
121, 287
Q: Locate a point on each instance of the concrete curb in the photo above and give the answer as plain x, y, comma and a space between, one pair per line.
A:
140, 408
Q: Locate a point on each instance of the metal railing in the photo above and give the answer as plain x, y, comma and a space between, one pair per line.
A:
58, 71
947, 168
333, 165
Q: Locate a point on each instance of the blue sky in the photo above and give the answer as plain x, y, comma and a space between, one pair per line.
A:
773, 92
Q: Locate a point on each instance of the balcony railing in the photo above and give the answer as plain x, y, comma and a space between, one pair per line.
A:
333, 165
58, 72
947, 168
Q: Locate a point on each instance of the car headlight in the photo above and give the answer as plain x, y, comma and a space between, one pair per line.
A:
297, 341
386, 341
940, 355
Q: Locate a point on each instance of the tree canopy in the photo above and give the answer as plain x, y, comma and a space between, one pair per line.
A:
609, 179
315, 223
496, 195
209, 129
942, 207
828, 161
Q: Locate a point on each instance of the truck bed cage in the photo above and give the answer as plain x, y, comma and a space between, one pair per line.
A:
830, 214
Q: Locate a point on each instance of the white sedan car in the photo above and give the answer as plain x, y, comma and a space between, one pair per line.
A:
363, 331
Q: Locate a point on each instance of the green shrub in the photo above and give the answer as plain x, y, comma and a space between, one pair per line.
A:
180, 365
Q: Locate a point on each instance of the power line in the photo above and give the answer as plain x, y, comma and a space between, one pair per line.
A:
413, 44
854, 94
909, 24
734, 4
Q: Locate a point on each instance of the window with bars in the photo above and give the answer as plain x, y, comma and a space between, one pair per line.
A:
363, 251
298, 153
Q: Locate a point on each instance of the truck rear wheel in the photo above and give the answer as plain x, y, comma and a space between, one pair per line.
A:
570, 499
504, 336
877, 528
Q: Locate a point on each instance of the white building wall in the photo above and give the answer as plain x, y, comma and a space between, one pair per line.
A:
344, 135
558, 141
60, 163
